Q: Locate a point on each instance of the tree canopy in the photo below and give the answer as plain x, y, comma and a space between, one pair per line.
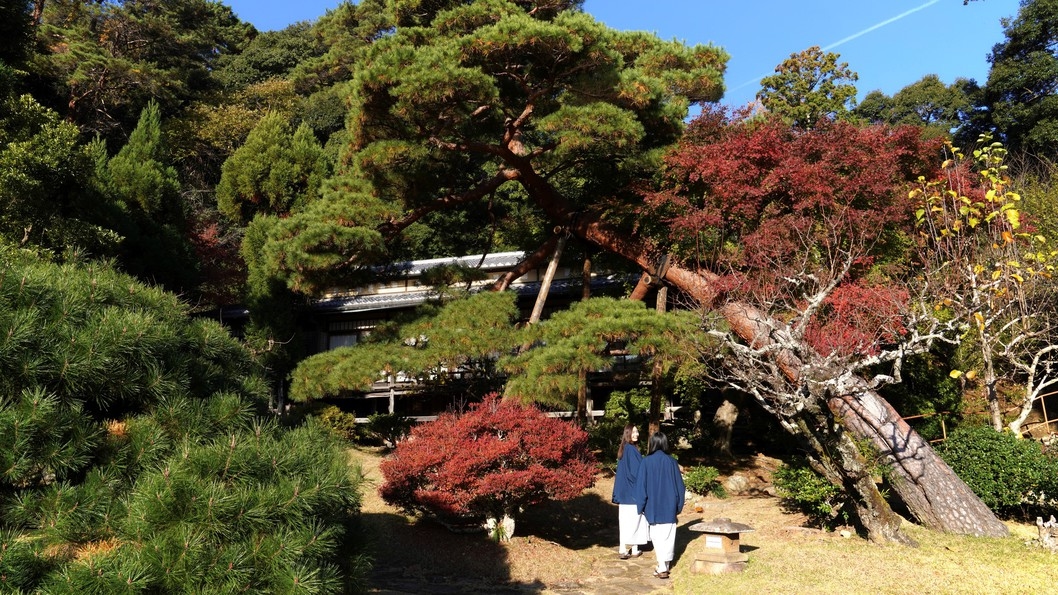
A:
930, 103
809, 87
1020, 98
466, 98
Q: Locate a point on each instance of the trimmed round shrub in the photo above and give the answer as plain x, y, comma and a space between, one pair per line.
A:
1012, 476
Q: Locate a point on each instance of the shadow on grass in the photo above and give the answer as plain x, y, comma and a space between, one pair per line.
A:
578, 524
422, 556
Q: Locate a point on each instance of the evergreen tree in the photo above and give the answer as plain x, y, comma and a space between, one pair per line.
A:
272, 54
574, 342
929, 103
150, 213
275, 172
138, 175
134, 454
808, 87
47, 194
106, 60
464, 100
437, 344
1020, 99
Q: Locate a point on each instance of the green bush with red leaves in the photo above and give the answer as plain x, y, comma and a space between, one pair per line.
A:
487, 463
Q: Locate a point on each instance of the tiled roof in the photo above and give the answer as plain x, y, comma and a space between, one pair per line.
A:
491, 262
500, 261
390, 301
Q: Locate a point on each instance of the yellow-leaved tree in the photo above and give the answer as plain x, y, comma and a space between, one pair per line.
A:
998, 278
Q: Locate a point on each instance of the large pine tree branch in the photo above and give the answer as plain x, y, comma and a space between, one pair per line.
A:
478, 192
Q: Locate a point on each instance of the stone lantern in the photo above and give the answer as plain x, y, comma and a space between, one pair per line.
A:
722, 552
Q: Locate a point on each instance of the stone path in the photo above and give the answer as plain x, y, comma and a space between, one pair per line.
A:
615, 576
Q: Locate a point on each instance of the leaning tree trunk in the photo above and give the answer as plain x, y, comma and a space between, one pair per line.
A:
932, 492
937, 497
838, 458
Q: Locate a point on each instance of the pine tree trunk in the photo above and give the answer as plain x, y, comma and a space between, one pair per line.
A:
934, 494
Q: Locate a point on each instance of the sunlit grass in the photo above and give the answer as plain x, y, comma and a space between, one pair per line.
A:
826, 563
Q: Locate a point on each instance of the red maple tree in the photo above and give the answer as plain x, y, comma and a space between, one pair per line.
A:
487, 463
785, 216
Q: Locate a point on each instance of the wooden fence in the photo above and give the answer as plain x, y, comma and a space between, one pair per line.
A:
1045, 422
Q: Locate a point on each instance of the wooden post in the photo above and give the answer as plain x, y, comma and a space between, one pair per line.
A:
585, 279
655, 398
545, 283
1046, 420
582, 399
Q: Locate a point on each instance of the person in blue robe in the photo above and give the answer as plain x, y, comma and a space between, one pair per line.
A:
632, 526
659, 496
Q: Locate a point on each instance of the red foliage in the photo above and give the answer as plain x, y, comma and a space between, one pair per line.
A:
498, 456
217, 250
765, 185
858, 320
781, 213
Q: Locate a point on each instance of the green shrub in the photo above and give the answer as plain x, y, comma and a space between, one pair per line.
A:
605, 436
1012, 476
704, 481
138, 455
630, 406
804, 490
390, 428
342, 423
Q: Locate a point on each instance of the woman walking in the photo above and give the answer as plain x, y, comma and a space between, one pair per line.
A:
631, 525
659, 494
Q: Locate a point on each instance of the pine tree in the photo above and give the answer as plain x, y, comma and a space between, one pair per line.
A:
274, 172
134, 454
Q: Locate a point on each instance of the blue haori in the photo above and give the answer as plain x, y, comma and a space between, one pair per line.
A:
624, 481
659, 489
632, 526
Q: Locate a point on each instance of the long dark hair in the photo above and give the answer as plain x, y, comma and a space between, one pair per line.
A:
658, 441
626, 438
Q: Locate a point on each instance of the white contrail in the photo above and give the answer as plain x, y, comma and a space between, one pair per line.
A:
854, 36
880, 25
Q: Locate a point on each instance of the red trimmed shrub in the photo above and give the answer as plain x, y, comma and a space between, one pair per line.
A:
487, 463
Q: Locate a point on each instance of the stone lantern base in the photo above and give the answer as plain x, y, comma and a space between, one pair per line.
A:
718, 563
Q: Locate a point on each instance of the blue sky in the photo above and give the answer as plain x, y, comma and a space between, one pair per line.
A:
889, 43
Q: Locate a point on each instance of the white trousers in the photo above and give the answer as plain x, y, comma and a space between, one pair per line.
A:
634, 527
664, 539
